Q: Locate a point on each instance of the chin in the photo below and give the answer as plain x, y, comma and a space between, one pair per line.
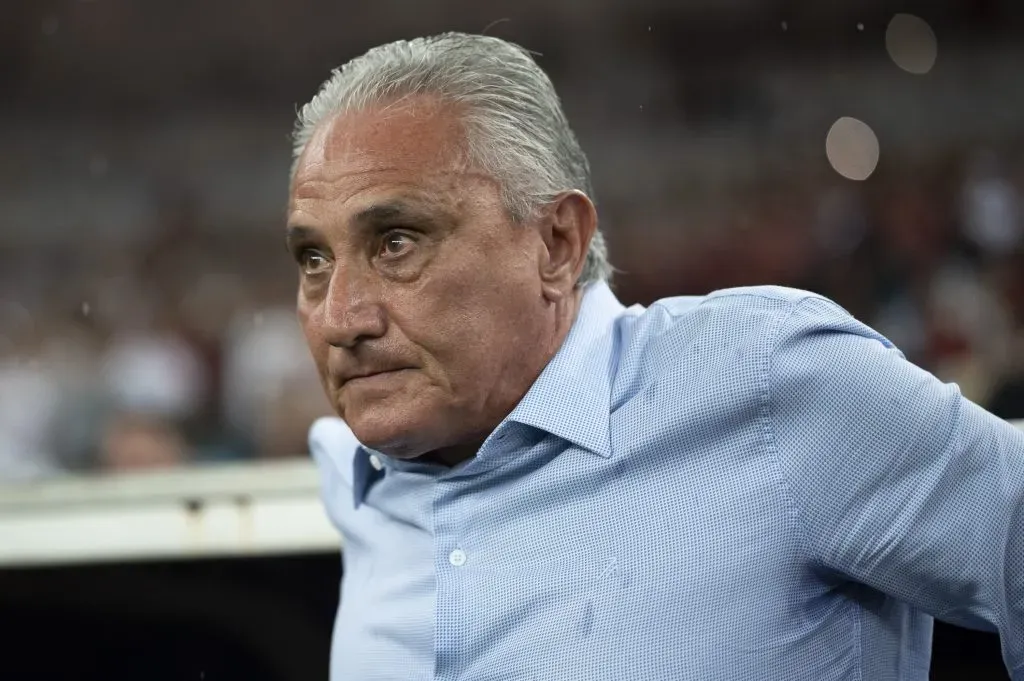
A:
396, 431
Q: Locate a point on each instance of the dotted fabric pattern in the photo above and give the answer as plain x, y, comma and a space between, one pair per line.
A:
747, 485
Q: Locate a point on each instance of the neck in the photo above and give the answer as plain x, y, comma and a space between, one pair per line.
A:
566, 311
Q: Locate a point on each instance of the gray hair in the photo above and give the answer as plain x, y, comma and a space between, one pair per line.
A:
515, 127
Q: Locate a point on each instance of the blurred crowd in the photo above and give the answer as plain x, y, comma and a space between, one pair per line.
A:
147, 303
933, 258
185, 347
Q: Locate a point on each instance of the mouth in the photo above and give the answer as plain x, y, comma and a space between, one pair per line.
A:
377, 378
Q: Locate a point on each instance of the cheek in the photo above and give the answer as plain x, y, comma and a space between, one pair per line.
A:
318, 348
483, 334
473, 310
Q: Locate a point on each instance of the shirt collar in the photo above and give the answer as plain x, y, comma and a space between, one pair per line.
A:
579, 374
364, 474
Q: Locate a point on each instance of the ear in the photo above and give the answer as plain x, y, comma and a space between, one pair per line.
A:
566, 228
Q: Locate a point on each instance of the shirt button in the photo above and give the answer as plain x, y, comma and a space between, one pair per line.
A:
375, 462
457, 557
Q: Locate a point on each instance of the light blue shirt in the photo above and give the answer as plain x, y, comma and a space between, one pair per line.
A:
748, 485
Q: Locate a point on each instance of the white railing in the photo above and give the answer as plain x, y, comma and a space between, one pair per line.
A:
235, 510
231, 510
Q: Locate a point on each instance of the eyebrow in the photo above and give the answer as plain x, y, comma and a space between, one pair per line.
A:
390, 212
297, 235
376, 215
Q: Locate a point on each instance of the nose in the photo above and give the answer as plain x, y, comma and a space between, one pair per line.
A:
352, 311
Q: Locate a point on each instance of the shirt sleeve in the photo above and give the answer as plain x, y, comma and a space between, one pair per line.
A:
899, 482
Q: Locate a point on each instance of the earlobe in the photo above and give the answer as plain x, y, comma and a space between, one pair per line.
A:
566, 228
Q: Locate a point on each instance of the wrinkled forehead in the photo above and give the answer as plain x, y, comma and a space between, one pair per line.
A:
411, 135
411, 150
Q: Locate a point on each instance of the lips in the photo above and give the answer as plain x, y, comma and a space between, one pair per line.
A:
344, 377
371, 374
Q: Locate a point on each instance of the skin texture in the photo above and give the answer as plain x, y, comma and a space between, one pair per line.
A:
428, 312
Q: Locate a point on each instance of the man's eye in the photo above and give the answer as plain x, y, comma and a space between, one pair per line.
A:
312, 262
395, 244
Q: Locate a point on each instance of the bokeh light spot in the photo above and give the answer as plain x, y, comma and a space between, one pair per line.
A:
911, 43
852, 148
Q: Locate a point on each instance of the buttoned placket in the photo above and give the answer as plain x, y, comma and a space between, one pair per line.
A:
452, 556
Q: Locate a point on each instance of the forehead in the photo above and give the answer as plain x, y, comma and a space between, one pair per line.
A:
417, 142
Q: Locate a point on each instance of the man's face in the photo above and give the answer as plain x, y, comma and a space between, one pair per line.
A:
425, 307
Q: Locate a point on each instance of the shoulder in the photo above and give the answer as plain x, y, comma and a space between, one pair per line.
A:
722, 342
333, 447
747, 336
736, 305
780, 326
745, 319
762, 312
332, 444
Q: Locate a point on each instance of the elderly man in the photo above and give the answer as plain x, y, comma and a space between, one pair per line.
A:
535, 482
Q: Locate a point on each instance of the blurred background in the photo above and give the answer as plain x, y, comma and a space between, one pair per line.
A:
869, 150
